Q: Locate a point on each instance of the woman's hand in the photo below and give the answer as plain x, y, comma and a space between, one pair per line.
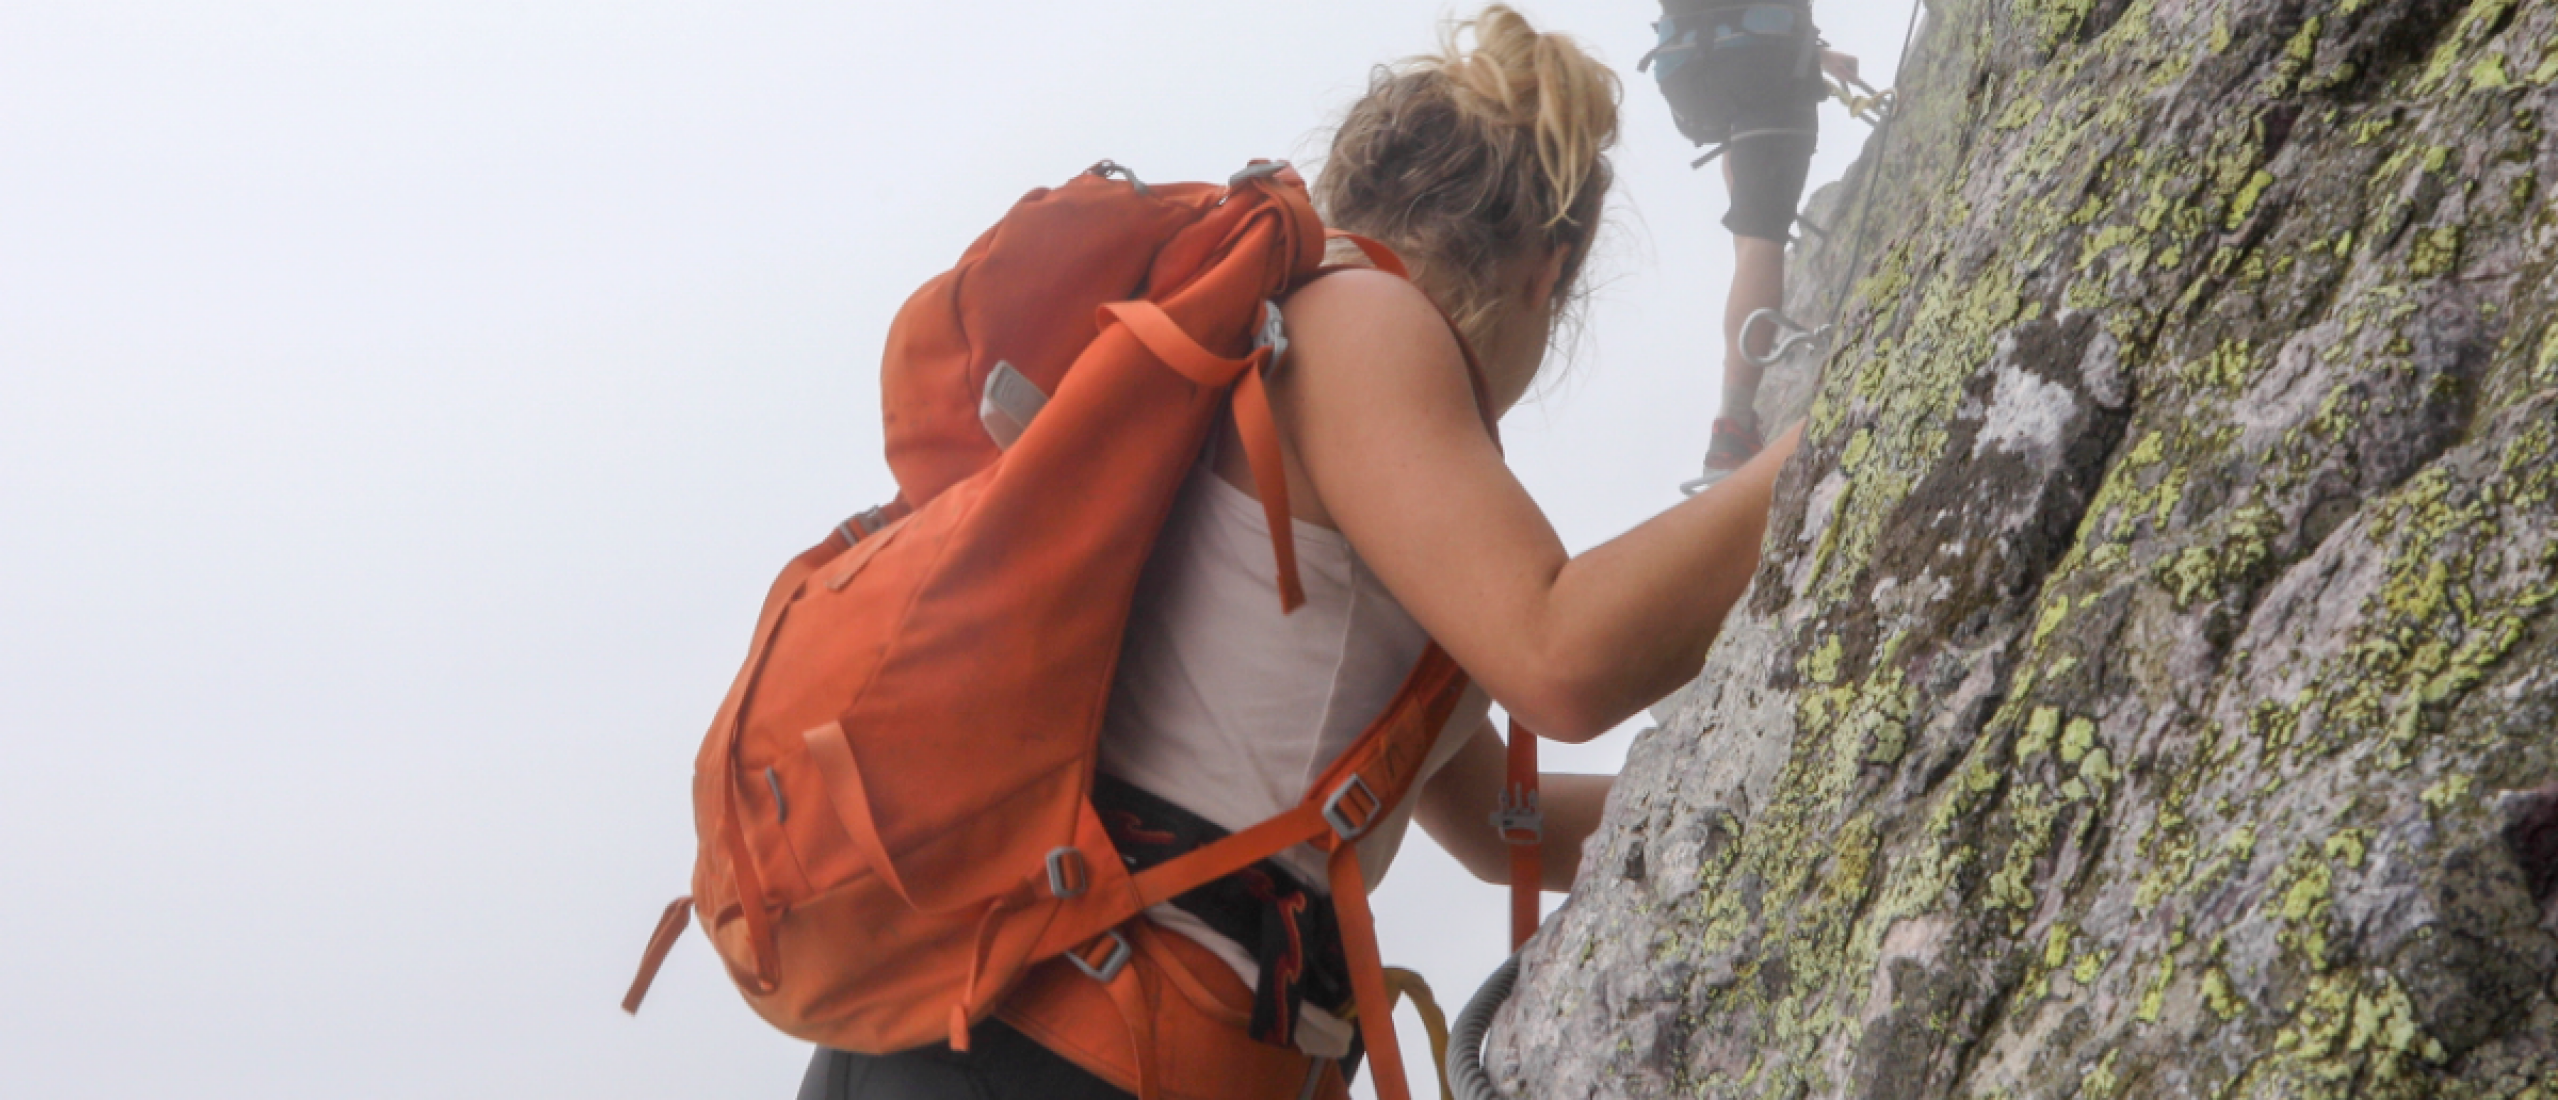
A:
1842, 68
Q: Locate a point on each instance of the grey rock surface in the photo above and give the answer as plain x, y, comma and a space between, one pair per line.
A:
2151, 687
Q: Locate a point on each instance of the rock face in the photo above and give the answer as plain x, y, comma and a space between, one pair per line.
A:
2151, 689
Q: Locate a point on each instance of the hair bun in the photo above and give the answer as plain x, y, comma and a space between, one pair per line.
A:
1490, 150
1518, 76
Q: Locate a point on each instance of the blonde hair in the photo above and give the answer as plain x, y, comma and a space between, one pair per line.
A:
1468, 159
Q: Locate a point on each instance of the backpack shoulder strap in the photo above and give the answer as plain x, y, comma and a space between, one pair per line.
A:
1259, 429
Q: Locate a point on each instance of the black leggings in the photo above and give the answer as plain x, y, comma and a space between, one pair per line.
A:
1001, 1064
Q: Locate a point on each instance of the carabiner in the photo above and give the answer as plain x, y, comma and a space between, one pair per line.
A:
1788, 336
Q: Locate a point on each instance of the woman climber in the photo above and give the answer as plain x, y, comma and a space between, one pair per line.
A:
1746, 79
1484, 167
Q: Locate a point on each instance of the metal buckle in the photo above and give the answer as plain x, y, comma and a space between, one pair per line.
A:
1108, 967
1342, 826
1259, 169
1068, 875
1274, 332
1519, 815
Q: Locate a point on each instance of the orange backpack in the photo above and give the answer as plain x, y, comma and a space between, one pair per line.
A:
896, 836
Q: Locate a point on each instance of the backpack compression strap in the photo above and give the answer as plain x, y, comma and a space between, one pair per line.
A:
1175, 348
678, 914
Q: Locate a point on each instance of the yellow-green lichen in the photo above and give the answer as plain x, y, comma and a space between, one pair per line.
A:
2442, 793
2435, 251
2218, 996
2154, 998
2244, 202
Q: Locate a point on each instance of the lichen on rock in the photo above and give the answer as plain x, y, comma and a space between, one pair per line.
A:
2151, 687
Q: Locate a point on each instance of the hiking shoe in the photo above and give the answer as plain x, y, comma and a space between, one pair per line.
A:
1733, 447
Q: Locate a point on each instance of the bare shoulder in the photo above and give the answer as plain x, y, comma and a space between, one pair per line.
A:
1383, 323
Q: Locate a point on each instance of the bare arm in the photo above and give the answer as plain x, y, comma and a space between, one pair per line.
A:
1456, 810
1382, 427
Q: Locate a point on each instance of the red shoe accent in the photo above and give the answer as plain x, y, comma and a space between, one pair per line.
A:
1733, 446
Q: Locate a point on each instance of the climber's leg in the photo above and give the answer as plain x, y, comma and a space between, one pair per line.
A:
1758, 282
1765, 174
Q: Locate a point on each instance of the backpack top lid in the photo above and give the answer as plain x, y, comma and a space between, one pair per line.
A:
1028, 291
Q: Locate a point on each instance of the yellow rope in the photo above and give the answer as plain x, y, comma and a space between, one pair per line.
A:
1868, 108
1402, 983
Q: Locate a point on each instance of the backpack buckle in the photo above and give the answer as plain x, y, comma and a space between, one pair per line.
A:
1519, 821
1111, 963
1108, 168
864, 525
1274, 332
1352, 809
1068, 875
1259, 169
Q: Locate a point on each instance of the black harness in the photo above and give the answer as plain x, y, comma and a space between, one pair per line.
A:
1290, 930
1721, 63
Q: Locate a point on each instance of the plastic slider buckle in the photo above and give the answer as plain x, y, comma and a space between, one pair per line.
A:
1258, 169
1110, 965
864, 525
1068, 875
1518, 820
1352, 809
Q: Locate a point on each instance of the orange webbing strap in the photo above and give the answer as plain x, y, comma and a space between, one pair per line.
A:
1364, 782
1367, 779
741, 858
1260, 432
1407, 985
1376, 252
1198, 867
750, 890
1367, 973
1175, 347
1522, 827
832, 753
678, 916
768, 622
1127, 990
962, 1009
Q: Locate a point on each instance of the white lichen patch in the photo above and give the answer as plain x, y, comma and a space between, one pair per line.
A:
2026, 413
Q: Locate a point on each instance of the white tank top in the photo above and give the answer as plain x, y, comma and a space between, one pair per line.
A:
1231, 709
